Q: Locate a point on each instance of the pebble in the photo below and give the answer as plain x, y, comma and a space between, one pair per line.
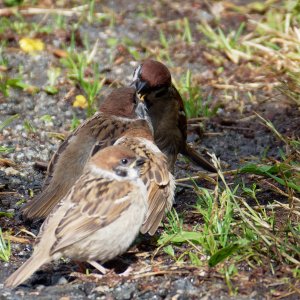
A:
10, 171
62, 280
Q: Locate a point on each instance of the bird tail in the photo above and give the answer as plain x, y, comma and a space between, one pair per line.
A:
195, 157
26, 270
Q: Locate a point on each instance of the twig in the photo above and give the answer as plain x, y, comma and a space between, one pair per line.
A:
194, 120
203, 175
185, 185
287, 207
38, 11
159, 273
278, 190
16, 239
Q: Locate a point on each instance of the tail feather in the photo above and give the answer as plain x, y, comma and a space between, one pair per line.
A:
26, 270
195, 157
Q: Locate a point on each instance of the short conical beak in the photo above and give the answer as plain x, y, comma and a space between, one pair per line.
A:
139, 86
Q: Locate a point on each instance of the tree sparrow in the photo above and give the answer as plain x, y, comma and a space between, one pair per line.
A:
99, 217
159, 181
117, 114
152, 81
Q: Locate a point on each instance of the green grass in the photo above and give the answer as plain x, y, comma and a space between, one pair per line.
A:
5, 250
8, 121
77, 65
229, 44
194, 103
230, 230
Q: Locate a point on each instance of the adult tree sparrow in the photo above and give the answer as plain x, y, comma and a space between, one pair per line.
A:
117, 114
159, 181
99, 217
152, 81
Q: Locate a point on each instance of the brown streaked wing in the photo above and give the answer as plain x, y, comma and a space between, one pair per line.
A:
91, 210
156, 177
64, 145
69, 160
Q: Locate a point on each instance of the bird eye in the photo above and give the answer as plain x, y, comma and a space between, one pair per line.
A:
124, 161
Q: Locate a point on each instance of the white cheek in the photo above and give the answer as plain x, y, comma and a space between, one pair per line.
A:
132, 174
136, 73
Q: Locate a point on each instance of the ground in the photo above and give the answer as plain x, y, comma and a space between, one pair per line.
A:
238, 82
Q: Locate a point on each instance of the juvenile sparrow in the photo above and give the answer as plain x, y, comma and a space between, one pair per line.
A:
152, 81
117, 114
99, 217
159, 181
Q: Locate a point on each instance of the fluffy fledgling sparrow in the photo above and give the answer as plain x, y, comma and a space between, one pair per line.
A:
153, 83
155, 174
116, 114
99, 217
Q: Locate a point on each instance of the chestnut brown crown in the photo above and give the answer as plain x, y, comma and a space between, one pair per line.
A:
112, 157
120, 102
153, 74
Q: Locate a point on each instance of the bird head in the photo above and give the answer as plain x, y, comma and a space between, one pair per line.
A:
119, 161
151, 80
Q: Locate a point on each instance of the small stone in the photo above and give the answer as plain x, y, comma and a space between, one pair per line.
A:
40, 287
11, 171
62, 280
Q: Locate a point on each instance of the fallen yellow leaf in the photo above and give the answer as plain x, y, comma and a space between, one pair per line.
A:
31, 45
80, 101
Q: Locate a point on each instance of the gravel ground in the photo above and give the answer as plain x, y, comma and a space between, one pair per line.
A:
230, 135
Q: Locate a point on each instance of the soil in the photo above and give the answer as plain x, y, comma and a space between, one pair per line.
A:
234, 134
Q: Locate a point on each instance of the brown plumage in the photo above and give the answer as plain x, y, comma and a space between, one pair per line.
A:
99, 217
159, 181
152, 81
117, 114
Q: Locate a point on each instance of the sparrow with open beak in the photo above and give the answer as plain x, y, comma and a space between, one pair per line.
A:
99, 217
152, 81
159, 181
116, 115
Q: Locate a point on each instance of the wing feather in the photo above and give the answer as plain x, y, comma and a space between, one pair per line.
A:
82, 218
157, 178
67, 164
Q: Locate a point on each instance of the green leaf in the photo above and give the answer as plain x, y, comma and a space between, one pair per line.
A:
8, 121
46, 118
259, 169
181, 237
13, 2
270, 171
6, 214
51, 90
4, 149
225, 252
4, 248
169, 250
195, 259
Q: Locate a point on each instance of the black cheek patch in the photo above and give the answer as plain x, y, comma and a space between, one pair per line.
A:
121, 173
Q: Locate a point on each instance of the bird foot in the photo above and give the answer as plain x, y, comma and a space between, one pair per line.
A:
98, 267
